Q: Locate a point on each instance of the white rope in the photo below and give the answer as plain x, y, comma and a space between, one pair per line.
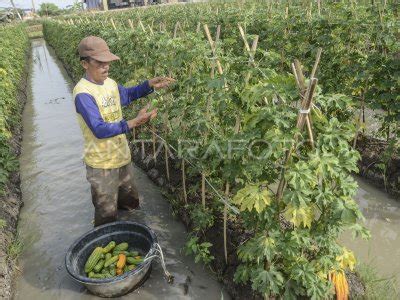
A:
304, 111
160, 256
234, 209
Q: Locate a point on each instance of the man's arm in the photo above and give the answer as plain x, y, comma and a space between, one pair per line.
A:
127, 95
86, 106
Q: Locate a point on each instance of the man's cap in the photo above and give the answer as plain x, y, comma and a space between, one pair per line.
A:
96, 48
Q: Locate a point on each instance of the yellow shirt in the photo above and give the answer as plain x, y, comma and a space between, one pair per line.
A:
107, 153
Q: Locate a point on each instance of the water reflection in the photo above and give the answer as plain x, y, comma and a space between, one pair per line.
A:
382, 214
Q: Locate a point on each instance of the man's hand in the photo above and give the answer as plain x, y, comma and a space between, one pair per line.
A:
143, 117
160, 82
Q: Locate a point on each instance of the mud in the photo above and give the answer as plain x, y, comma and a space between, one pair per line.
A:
373, 156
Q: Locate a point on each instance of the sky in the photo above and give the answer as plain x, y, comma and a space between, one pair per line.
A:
28, 3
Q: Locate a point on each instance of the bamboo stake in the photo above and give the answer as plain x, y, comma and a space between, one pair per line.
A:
237, 123
254, 49
166, 160
301, 85
184, 181
176, 29
203, 190
309, 130
358, 129
251, 51
130, 24
163, 27
319, 7
217, 36
103, 24
151, 30
296, 78
316, 63
154, 143
212, 45
113, 24
142, 26
300, 124
300, 77
237, 129
225, 223
363, 110
215, 43
246, 44
143, 153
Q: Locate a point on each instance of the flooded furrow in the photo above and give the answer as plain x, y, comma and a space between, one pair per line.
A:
57, 202
382, 218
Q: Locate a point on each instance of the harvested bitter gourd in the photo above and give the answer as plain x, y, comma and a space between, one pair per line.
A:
111, 261
133, 253
100, 276
131, 267
99, 266
93, 259
121, 261
126, 253
112, 271
111, 245
134, 260
121, 247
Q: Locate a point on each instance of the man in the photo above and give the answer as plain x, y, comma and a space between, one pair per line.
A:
98, 100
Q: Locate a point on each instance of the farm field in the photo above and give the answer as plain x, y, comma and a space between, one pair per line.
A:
275, 109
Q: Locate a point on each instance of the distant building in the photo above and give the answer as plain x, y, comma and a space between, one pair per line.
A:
115, 4
92, 4
28, 14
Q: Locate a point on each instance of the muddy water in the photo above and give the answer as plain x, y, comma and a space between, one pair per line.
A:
58, 207
382, 214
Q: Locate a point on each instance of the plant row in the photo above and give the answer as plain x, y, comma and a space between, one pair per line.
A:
13, 48
359, 41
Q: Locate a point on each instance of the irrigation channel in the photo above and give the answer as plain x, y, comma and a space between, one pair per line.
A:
57, 205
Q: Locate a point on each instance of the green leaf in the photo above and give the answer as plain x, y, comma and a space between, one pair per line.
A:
267, 281
252, 197
299, 216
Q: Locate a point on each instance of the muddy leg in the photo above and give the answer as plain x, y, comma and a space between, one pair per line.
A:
128, 197
104, 189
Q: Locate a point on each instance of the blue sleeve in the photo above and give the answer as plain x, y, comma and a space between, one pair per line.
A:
87, 107
127, 95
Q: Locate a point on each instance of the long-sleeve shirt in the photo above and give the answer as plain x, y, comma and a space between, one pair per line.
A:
85, 105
